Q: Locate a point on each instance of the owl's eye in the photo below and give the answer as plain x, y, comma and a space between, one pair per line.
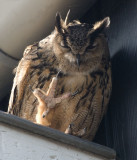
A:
92, 46
63, 45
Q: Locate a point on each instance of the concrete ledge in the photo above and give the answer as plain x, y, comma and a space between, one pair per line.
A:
55, 135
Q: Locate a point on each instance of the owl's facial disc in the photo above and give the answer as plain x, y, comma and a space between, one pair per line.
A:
79, 46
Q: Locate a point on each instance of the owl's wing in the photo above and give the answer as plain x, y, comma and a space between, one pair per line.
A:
86, 123
22, 71
88, 117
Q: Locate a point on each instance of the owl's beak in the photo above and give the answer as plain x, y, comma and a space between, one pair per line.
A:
78, 59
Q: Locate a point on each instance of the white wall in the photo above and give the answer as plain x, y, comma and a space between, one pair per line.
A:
16, 144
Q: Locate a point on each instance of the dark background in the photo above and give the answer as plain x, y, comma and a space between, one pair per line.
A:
119, 127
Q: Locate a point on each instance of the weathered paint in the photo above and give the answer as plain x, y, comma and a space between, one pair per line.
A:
16, 144
21, 139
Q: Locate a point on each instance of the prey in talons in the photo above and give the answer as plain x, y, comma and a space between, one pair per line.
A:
47, 100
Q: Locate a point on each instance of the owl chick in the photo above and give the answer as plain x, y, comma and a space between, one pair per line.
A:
64, 81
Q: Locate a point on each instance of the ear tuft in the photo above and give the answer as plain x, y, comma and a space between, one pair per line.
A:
102, 25
106, 21
99, 27
58, 22
66, 19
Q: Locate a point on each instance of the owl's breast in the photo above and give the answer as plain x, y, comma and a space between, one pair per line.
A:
92, 98
64, 111
71, 83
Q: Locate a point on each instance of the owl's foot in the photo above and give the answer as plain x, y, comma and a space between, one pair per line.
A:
47, 99
80, 133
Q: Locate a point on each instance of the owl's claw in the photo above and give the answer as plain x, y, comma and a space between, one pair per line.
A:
75, 93
58, 74
69, 129
80, 133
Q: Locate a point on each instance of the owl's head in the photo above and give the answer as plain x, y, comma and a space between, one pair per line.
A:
79, 47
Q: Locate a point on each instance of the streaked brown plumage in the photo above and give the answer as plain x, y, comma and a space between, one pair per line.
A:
80, 52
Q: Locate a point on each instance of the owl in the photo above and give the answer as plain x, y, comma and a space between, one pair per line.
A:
64, 80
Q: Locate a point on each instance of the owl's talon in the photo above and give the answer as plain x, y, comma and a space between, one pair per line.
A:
82, 132
69, 129
75, 93
58, 74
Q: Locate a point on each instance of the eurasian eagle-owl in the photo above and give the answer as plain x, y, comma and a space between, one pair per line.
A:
78, 54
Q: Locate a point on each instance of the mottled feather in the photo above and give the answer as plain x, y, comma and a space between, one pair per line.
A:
79, 115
